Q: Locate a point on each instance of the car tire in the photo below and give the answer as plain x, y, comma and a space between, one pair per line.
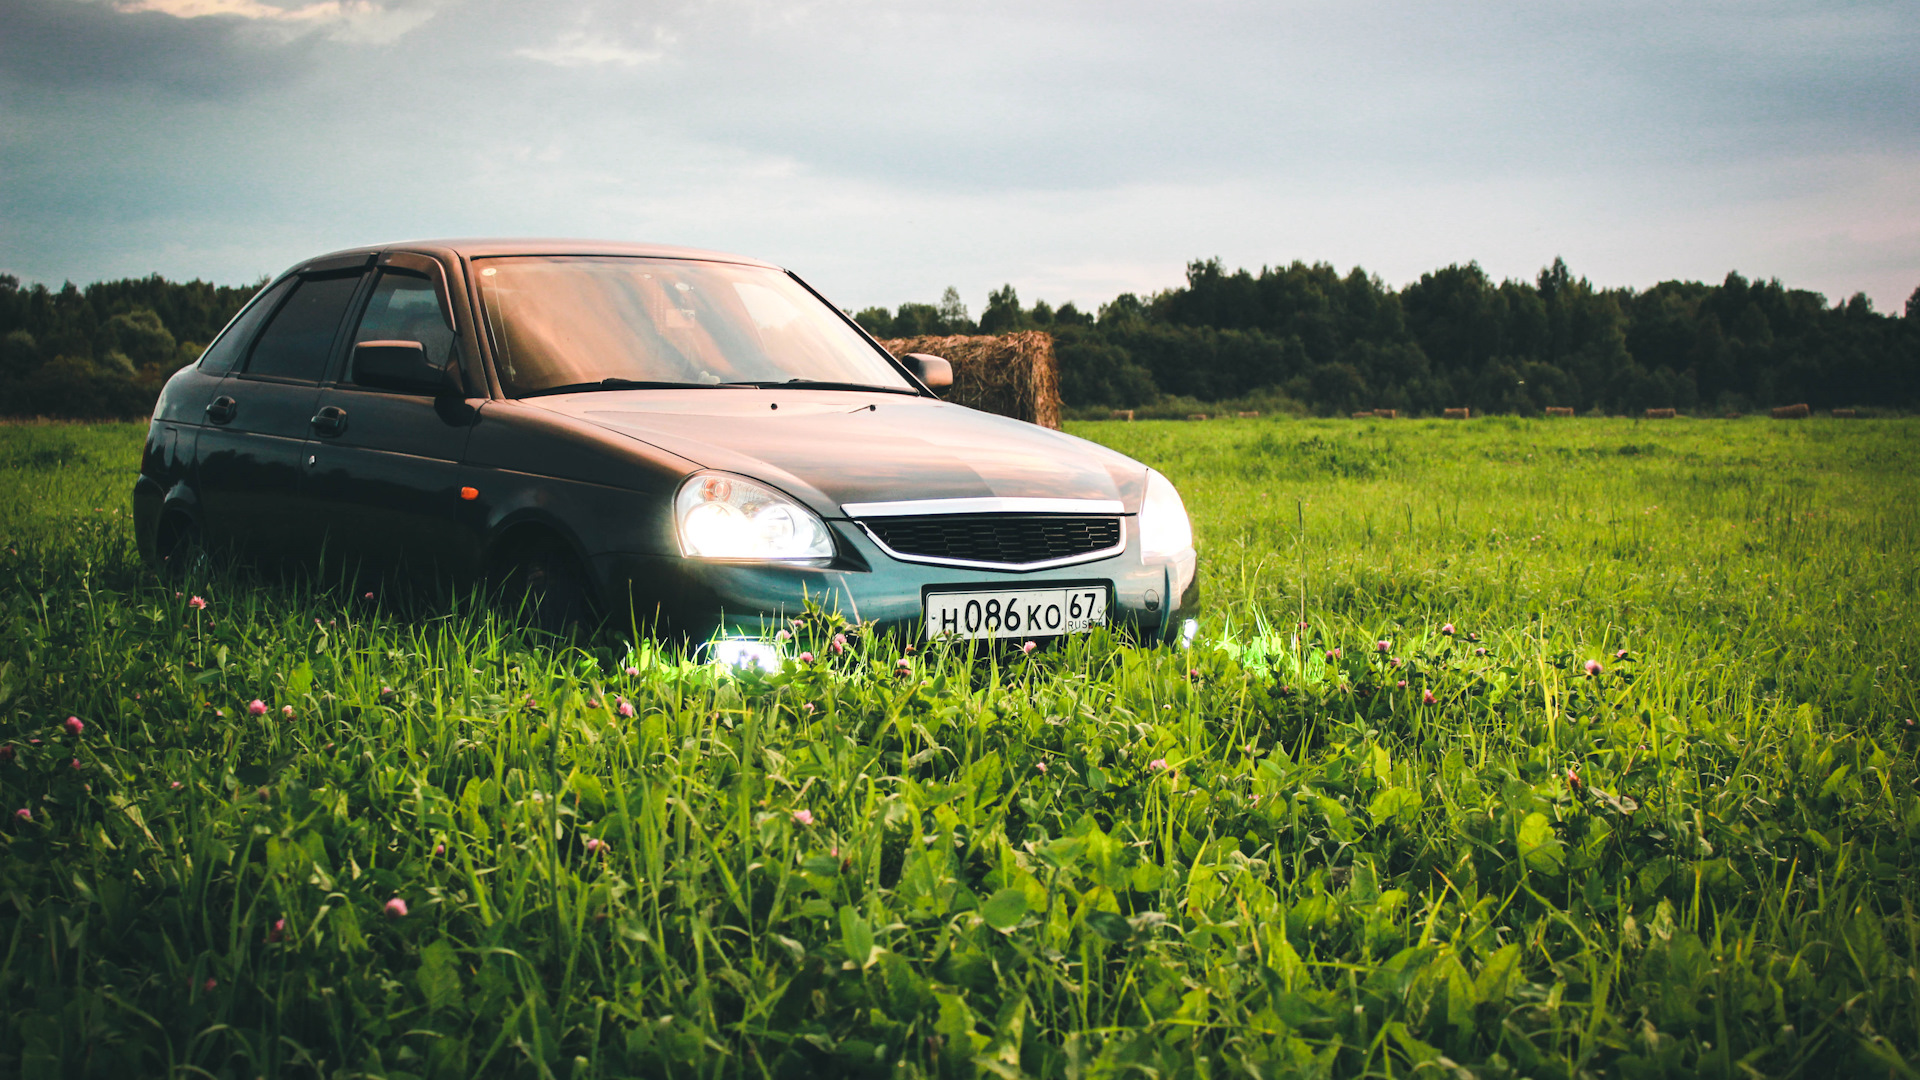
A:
184, 559
545, 589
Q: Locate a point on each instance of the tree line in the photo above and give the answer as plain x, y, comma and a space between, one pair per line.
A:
1305, 336
1294, 337
103, 351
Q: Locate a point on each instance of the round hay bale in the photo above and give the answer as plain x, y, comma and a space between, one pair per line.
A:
1009, 374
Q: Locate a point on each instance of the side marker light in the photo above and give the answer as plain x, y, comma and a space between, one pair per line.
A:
469, 493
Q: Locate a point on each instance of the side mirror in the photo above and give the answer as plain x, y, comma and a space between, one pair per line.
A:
402, 366
932, 370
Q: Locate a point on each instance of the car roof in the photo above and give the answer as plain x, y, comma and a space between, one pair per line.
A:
482, 247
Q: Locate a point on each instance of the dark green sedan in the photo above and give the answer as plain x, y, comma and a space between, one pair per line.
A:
695, 442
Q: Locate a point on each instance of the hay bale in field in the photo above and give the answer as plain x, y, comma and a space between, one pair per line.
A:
1791, 412
1368, 415
1387, 414
1845, 414
1196, 416
1010, 374
1459, 414
1559, 410
1255, 415
1661, 414
1121, 414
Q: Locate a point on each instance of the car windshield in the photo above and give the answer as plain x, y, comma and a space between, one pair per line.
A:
561, 324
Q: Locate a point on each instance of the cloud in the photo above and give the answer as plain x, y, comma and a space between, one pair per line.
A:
361, 21
579, 48
894, 148
64, 48
243, 9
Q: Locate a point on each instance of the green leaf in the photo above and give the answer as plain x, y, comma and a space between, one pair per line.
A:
956, 1024
1490, 986
1004, 909
1109, 925
1395, 804
1539, 847
1834, 781
439, 975
856, 936
794, 950
300, 681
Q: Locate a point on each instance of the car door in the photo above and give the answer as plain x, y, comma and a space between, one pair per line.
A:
250, 473
386, 477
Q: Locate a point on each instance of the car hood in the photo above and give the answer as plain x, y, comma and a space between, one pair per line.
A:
830, 448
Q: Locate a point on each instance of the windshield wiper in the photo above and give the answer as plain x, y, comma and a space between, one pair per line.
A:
819, 384
613, 384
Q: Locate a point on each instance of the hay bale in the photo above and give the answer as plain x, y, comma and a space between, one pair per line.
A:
1459, 414
1559, 410
1255, 415
1368, 415
1791, 412
1845, 414
1196, 416
1121, 414
1010, 374
1387, 414
1661, 414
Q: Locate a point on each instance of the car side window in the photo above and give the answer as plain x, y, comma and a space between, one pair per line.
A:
299, 337
404, 307
229, 347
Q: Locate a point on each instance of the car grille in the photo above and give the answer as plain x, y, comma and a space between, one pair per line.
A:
1004, 539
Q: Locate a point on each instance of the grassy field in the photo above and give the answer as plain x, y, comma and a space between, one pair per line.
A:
1510, 748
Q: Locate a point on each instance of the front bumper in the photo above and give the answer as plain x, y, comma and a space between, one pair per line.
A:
697, 599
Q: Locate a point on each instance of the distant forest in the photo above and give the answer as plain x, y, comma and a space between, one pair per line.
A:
103, 351
1306, 337
1299, 338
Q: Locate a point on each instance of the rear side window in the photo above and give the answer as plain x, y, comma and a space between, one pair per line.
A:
229, 347
299, 338
405, 307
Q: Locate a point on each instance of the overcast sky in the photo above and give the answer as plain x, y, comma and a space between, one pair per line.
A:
885, 149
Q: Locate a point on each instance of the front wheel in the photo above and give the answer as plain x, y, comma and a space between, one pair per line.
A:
544, 587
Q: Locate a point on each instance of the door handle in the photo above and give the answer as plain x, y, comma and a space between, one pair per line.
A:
221, 409
331, 420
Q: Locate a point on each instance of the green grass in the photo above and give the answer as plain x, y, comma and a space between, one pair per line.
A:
1251, 859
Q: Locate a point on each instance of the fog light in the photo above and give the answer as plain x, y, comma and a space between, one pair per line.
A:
1188, 631
735, 653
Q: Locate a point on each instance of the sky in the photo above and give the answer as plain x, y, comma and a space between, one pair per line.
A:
886, 149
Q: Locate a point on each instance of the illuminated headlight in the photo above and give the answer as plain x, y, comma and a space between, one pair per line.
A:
738, 653
730, 517
1164, 528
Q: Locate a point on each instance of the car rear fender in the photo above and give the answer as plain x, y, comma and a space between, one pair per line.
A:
158, 511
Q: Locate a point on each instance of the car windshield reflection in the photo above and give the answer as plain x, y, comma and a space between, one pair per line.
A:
573, 324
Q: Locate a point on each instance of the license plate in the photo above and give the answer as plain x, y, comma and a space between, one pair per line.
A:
1015, 612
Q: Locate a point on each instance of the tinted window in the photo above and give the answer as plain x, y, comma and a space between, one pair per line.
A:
406, 308
296, 343
230, 346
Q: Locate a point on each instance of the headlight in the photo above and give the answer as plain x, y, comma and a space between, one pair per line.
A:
1164, 528
730, 517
